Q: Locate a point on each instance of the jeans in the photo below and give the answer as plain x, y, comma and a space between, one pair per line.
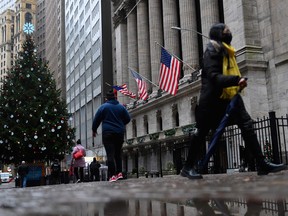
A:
24, 181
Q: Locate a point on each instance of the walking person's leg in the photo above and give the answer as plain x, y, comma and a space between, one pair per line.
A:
24, 181
110, 152
119, 139
245, 123
21, 181
76, 173
81, 170
197, 149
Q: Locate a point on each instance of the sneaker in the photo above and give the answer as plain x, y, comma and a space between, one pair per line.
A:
113, 179
119, 176
190, 173
267, 167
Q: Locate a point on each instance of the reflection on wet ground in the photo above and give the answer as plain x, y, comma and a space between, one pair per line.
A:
209, 207
236, 194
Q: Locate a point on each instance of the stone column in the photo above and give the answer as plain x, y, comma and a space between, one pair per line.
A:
132, 48
209, 16
122, 75
190, 52
143, 40
250, 56
248, 33
170, 18
156, 35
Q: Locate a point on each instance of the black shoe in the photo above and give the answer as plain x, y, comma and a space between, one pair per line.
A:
268, 167
190, 173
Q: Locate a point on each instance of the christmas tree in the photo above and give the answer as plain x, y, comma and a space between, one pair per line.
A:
33, 118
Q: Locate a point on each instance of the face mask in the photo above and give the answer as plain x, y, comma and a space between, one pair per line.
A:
227, 38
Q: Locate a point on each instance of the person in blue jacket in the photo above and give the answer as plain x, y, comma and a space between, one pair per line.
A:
114, 118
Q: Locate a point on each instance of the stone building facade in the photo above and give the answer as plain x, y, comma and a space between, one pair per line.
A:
55, 47
158, 132
11, 32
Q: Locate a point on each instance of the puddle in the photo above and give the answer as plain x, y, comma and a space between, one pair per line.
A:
236, 195
145, 207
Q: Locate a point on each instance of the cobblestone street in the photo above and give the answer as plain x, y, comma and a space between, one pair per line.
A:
170, 195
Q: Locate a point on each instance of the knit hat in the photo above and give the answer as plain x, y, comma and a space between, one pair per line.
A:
110, 95
216, 31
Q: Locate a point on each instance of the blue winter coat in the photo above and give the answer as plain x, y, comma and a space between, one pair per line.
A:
113, 116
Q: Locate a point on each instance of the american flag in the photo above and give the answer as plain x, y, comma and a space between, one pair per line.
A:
124, 90
169, 72
142, 86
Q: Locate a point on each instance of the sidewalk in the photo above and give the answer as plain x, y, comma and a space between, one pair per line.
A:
170, 195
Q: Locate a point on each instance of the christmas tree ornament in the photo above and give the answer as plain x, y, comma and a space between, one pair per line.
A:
28, 28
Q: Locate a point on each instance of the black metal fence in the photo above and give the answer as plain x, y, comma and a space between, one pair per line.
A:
272, 134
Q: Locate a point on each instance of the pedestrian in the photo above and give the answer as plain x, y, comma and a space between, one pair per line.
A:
79, 163
55, 172
23, 170
221, 81
114, 117
94, 170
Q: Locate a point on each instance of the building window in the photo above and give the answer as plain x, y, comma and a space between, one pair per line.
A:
28, 6
146, 125
175, 115
28, 18
159, 120
134, 128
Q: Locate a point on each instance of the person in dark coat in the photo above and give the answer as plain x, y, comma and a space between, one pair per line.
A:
55, 172
94, 170
221, 81
23, 170
114, 117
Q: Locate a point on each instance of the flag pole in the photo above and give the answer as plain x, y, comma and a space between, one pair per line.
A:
133, 8
143, 77
121, 93
185, 29
176, 57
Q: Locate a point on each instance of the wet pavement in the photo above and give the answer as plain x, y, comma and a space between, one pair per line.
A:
221, 194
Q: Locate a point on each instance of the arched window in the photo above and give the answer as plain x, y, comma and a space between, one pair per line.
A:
175, 115
159, 120
146, 125
28, 18
134, 128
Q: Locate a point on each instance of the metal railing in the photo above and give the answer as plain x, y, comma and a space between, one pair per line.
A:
272, 135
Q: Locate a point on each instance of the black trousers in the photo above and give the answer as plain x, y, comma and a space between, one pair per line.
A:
113, 146
79, 172
209, 119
